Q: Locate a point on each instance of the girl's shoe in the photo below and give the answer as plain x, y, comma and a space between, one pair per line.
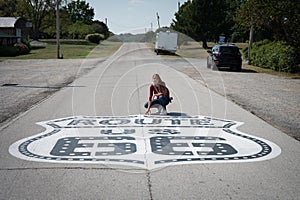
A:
163, 111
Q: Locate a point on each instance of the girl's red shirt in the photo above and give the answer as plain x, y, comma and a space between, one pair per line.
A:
154, 90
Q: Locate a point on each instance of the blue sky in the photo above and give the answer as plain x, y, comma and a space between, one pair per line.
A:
133, 16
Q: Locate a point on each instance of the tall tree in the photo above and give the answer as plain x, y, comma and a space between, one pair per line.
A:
8, 8
284, 21
100, 27
203, 19
80, 11
182, 18
79, 30
38, 12
281, 18
49, 23
35, 11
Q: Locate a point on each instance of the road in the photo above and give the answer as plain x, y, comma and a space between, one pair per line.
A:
101, 113
27, 82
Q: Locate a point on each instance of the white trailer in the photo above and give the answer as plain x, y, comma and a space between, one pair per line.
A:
166, 42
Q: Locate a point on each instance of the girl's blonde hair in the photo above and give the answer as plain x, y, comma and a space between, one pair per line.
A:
160, 82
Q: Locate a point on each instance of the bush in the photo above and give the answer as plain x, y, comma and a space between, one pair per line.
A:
22, 48
95, 38
245, 52
8, 51
17, 49
277, 56
27, 43
255, 45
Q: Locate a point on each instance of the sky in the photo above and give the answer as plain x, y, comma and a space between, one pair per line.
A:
134, 16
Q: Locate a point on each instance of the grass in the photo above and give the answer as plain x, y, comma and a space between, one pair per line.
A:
67, 41
192, 50
71, 49
272, 72
104, 49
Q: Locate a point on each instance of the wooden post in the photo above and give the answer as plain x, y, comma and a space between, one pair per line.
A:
250, 44
58, 29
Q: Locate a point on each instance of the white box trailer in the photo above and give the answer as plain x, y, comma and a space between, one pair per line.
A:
166, 42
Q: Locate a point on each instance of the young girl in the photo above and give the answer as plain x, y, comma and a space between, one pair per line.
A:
158, 96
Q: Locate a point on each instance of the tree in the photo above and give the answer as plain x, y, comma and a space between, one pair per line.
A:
203, 20
149, 37
35, 11
8, 8
79, 30
80, 11
283, 20
280, 18
49, 27
182, 18
100, 27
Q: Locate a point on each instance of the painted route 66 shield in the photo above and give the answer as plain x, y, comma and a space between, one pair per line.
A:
143, 141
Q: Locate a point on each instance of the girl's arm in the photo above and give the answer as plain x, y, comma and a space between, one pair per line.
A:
158, 94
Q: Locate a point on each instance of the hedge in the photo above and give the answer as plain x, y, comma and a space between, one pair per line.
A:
277, 56
95, 38
66, 41
8, 51
22, 48
17, 49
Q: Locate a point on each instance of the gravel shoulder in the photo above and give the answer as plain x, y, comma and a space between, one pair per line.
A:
24, 83
274, 99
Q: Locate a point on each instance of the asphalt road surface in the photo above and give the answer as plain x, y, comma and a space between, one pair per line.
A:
27, 82
93, 141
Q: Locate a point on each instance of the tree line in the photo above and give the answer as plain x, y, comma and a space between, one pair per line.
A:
205, 20
76, 17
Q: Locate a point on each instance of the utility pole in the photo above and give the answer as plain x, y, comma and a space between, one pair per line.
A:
151, 26
158, 20
106, 22
58, 29
178, 6
250, 44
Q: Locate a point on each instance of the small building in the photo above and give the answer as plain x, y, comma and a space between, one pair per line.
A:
12, 30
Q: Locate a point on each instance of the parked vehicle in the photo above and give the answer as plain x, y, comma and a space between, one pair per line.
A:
166, 42
224, 55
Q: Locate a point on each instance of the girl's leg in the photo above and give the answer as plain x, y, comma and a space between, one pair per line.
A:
163, 101
155, 101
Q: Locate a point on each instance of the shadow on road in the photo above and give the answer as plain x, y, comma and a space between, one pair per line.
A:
177, 114
39, 87
242, 71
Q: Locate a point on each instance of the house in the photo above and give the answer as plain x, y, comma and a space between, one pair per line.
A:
12, 30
